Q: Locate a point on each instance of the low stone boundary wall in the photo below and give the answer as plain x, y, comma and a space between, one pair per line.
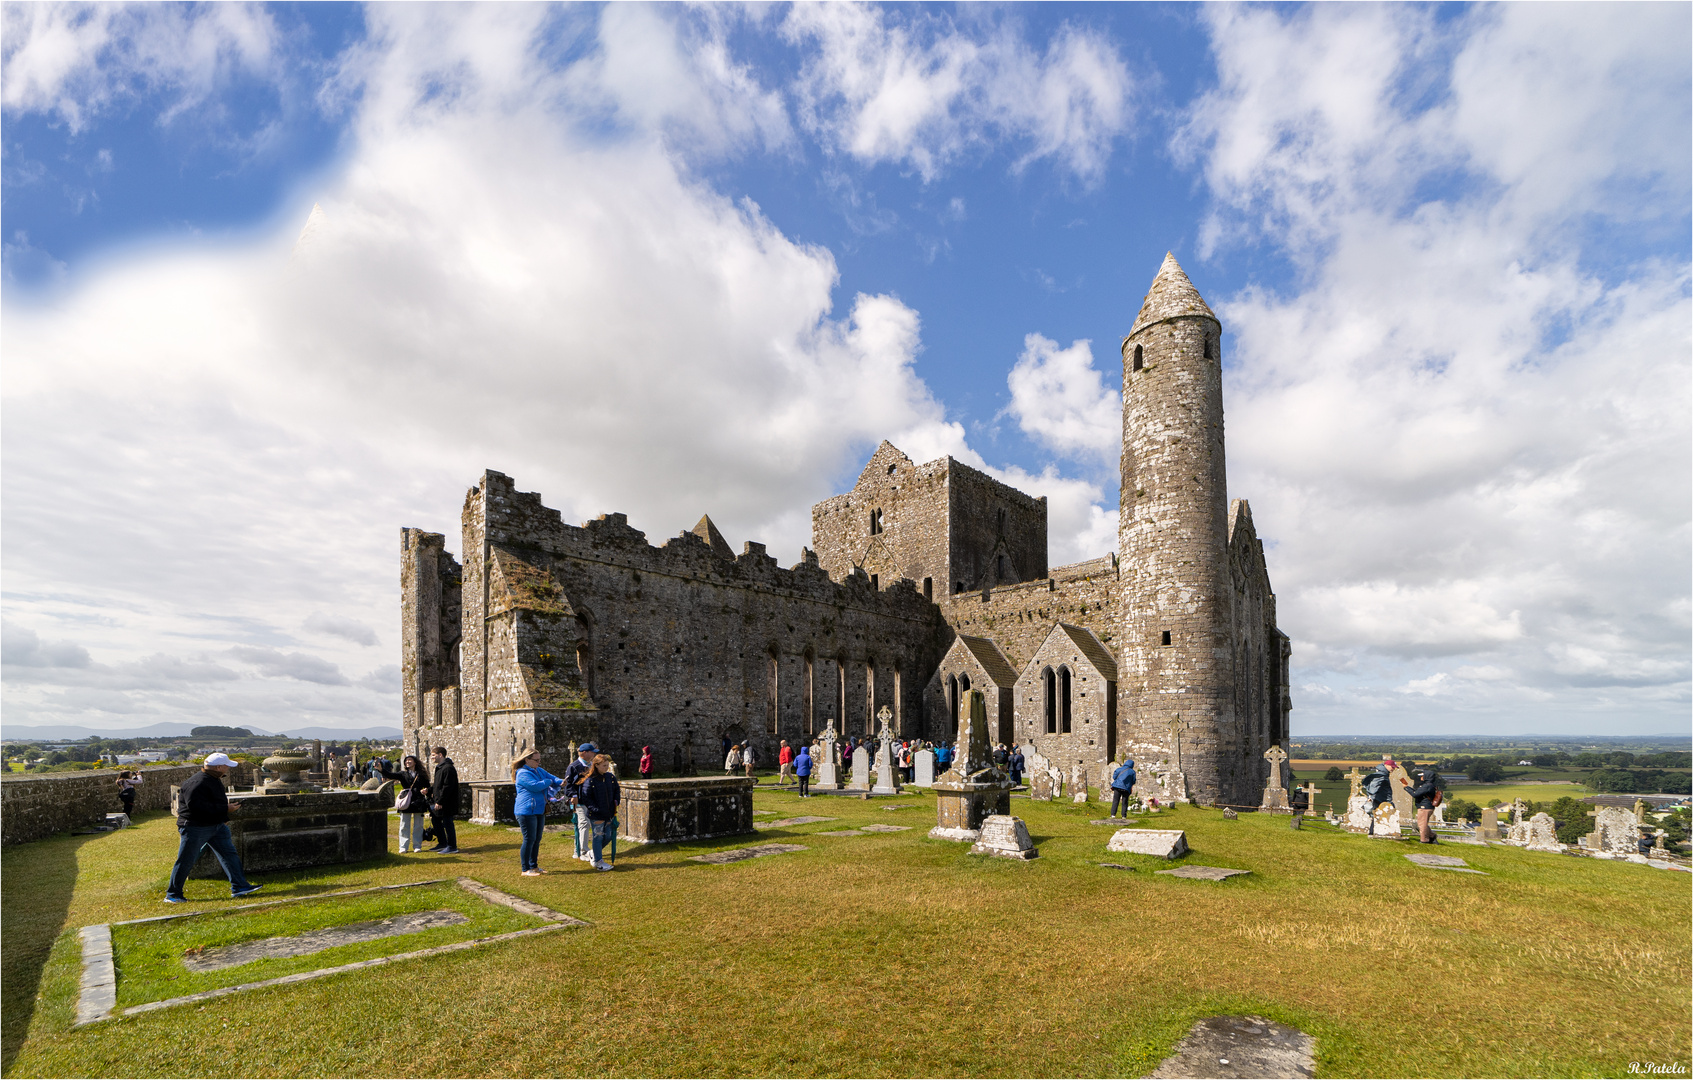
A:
33, 807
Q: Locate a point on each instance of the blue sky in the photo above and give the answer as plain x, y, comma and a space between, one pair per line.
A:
675, 260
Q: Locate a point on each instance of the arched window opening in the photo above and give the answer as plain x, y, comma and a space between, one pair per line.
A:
810, 695
875, 522
869, 697
585, 665
840, 694
1210, 348
957, 587
1064, 701
1051, 686
1002, 574
770, 711
952, 696
1139, 358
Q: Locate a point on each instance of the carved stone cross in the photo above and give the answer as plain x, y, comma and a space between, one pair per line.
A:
829, 736
1357, 780
886, 717
1275, 755
1311, 791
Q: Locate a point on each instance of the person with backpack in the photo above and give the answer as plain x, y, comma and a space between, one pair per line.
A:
599, 798
1426, 793
802, 771
1379, 787
1122, 786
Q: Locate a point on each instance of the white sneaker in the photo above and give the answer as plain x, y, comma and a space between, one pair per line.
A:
603, 866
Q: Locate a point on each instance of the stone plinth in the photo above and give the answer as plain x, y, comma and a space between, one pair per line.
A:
1006, 837
960, 808
492, 802
685, 808
296, 830
1489, 827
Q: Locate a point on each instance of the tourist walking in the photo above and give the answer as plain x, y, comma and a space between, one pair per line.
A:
785, 759
646, 763
127, 783
747, 759
444, 802
1426, 792
573, 777
732, 760
907, 762
599, 798
1018, 764
802, 772
1122, 786
535, 786
202, 821
412, 802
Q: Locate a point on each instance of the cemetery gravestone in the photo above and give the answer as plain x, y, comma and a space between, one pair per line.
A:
1079, 783
1357, 804
1489, 827
1164, 843
886, 784
1615, 831
1006, 837
1399, 781
1542, 833
860, 770
1386, 823
1040, 779
924, 762
824, 774
1275, 791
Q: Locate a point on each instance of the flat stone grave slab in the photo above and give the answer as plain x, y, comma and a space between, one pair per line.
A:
764, 813
1240, 1046
1117, 822
842, 832
319, 940
879, 827
900, 806
738, 854
1443, 862
1203, 873
785, 822
1164, 843
1115, 866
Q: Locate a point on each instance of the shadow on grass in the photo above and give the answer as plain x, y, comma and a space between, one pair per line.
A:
38, 879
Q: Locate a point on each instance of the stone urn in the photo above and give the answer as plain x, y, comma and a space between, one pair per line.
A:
285, 768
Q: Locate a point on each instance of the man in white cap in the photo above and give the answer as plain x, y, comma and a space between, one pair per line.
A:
202, 820
573, 777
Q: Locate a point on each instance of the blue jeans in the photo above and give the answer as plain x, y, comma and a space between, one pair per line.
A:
530, 851
195, 839
602, 832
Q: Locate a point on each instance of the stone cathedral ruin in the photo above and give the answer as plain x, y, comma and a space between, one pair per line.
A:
923, 582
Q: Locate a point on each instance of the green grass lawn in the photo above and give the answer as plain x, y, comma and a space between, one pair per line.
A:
149, 956
891, 954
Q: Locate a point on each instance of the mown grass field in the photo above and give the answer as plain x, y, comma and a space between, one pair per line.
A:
893, 955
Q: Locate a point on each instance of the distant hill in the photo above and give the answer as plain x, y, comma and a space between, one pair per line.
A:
63, 732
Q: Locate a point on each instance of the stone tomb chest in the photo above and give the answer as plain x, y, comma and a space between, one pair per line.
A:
302, 829
685, 808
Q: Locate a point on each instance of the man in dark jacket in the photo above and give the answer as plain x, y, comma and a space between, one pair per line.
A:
1424, 792
573, 777
202, 821
444, 796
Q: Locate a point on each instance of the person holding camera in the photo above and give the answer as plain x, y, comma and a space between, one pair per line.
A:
412, 801
127, 782
1426, 793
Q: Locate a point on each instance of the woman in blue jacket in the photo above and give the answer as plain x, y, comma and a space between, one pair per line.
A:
535, 786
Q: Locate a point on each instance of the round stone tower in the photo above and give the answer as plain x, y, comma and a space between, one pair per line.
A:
1177, 691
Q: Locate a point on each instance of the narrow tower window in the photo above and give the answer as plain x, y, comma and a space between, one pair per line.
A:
1051, 681
928, 588
1002, 574
840, 694
771, 704
810, 695
1140, 358
1166, 640
1064, 701
1210, 348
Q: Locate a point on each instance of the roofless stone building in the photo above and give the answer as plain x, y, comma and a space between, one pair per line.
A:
923, 582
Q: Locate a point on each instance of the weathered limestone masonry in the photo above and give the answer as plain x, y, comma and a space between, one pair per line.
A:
33, 807
927, 582
573, 633
1192, 672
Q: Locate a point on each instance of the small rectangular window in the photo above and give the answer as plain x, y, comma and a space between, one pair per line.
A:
875, 581
1166, 640
928, 588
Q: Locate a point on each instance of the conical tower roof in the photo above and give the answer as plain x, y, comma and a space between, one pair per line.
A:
1172, 296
